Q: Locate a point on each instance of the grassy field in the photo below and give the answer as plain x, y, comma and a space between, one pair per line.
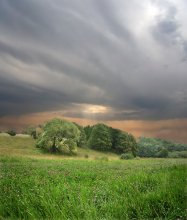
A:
39, 186
25, 147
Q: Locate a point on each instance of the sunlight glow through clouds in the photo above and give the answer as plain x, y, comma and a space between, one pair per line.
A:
92, 109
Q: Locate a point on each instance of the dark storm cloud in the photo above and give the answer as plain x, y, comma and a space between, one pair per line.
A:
17, 99
61, 55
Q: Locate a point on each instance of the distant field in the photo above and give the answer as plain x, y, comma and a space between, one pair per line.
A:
34, 187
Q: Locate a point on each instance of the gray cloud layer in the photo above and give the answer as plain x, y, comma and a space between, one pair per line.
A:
62, 55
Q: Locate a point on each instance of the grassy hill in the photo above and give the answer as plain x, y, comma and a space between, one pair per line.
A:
35, 185
24, 146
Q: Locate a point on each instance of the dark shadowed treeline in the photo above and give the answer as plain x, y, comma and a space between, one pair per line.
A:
155, 147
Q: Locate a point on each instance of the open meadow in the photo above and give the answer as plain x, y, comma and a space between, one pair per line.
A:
91, 185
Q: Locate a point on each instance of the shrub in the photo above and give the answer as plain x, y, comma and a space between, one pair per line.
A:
137, 158
126, 156
11, 132
34, 132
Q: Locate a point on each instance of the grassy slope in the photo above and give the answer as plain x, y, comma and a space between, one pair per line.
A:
31, 188
25, 147
17, 146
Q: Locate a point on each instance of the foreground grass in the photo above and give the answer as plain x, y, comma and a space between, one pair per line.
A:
93, 185
92, 189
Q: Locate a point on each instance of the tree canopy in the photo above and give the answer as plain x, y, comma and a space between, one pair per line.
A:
62, 136
59, 136
123, 142
82, 140
100, 138
156, 147
106, 138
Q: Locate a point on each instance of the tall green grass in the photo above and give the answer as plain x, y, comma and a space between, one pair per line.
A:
92, 189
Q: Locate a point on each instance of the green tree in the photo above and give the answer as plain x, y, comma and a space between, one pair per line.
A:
100, 138
82, 140
88, 131
148, 147
123, 142
59, 136
119, 143
132, 144
153, 147
162, 153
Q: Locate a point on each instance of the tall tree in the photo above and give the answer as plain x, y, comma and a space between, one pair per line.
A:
123, 142
88, 131
82, 140
100, 138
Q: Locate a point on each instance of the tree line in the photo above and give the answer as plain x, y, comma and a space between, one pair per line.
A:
63, 136
156, 147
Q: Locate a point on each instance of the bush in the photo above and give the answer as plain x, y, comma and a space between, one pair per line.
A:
34, 132
126, 156
11, 132
137, 158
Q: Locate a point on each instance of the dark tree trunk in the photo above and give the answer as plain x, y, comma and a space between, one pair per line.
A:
53, 148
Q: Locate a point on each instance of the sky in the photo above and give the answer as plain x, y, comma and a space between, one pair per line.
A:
120, 62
